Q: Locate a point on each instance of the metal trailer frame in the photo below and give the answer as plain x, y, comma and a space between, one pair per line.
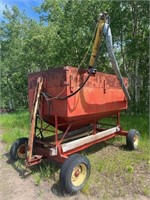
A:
55, 147
60, 145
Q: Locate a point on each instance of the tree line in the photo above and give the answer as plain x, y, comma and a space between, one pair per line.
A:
63, 36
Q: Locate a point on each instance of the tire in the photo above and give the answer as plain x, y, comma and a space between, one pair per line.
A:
132, 139
18, 149
74, 173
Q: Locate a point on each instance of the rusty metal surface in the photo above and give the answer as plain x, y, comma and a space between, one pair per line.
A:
101, 96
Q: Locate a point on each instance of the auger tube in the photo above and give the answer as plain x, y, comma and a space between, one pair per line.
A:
108, 35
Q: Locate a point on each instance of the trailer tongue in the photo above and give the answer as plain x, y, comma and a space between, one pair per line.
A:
73, 101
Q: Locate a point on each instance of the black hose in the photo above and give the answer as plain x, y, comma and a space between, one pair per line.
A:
91, 71
66, 97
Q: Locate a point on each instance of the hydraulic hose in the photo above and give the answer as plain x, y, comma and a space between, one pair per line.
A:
68, 96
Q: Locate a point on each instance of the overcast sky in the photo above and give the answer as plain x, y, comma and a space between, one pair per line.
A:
25, 5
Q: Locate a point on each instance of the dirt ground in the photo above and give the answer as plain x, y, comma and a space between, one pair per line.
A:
15, 185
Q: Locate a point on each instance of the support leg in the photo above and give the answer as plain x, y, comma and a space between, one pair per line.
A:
33, 119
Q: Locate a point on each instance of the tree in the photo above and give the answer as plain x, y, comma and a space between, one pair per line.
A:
64, 35
11, 43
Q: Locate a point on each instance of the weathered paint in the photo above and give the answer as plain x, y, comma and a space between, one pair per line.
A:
101, 96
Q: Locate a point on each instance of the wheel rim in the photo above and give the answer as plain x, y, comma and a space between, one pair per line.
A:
22, 151
79, 174
136, 141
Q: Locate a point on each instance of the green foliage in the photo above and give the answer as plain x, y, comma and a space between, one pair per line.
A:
13, 71
62, 37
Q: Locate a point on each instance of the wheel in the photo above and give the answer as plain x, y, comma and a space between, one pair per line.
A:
18, 149
74, 173
132, 139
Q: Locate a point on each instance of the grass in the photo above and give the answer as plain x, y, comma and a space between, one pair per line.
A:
14, 126
119, 170
110, 161
17, 125
139, 122
45, 171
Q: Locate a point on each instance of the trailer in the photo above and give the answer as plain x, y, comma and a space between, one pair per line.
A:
66, 106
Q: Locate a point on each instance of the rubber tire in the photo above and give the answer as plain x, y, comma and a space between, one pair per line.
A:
66, 171
15, 146
130, 139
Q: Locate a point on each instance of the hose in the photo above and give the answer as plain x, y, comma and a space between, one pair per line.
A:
68, 96
91, 70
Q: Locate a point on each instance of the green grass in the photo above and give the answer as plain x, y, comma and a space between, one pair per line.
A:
139, 122
117, 169
44, 172
14, 126
110, 162
17, 125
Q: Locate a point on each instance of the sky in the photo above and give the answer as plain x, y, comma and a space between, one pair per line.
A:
25, 5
